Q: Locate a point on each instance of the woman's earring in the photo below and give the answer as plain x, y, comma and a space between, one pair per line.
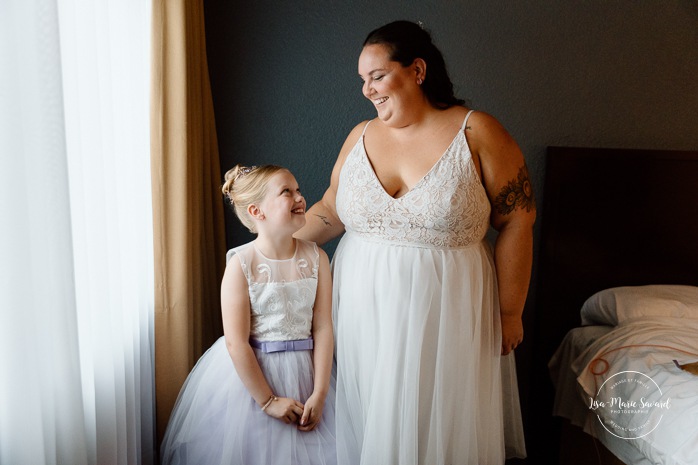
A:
419, 81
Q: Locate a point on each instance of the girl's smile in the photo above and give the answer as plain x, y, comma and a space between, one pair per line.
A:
283, 206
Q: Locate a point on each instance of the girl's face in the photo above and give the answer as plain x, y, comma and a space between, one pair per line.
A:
283, 205
391, 87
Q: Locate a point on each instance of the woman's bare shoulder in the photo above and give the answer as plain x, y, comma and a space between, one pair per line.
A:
484, 124
351, 141
356, 132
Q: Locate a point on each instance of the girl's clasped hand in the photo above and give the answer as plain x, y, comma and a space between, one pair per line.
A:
291, 411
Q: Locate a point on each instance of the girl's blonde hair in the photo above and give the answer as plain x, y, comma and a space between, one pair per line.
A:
245, 186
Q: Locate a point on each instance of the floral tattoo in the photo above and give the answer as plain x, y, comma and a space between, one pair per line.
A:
518, 193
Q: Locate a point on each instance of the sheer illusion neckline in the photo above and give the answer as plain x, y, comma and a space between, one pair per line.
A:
421, 181
295, 252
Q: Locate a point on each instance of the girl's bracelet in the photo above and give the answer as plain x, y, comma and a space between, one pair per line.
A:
271, 399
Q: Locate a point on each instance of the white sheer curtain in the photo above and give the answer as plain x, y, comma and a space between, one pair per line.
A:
76, 284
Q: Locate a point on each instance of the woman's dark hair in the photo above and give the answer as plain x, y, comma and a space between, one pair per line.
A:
407, 41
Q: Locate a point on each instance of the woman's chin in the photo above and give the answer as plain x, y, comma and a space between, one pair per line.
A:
386, 117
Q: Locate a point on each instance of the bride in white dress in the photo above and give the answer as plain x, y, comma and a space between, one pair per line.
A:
425, 313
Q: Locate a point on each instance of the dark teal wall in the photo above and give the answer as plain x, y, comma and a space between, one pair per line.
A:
598, 73
587, 73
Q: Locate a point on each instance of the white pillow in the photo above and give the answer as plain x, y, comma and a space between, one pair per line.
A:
615, 305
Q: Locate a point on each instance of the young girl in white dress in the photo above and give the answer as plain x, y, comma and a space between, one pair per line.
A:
262, 394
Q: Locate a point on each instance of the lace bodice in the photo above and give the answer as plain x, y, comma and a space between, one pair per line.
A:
448, 207
282, 292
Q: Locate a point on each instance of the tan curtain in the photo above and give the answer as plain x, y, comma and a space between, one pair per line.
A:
189, 235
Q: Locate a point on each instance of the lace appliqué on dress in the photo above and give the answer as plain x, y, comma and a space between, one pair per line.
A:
282, 292
448, 207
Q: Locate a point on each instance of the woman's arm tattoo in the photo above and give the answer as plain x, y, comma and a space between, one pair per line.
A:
324, 220
518, 193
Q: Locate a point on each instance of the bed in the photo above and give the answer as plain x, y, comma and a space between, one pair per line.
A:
625, 377
615, 308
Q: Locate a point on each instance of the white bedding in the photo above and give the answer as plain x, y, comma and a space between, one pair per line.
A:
635, 360
617, 304
569, 399
567, 391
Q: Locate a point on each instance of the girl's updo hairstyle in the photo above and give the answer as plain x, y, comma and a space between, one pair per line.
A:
245, 186
408, 41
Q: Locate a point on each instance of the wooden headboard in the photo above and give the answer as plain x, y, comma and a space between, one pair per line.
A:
611, 217
614, 217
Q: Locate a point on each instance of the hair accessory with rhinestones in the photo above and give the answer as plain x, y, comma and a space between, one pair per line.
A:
245, 170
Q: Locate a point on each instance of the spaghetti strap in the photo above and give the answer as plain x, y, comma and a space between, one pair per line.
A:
364, 131
465, 121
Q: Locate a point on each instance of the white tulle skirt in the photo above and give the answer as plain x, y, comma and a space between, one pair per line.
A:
215, 421
420, 378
